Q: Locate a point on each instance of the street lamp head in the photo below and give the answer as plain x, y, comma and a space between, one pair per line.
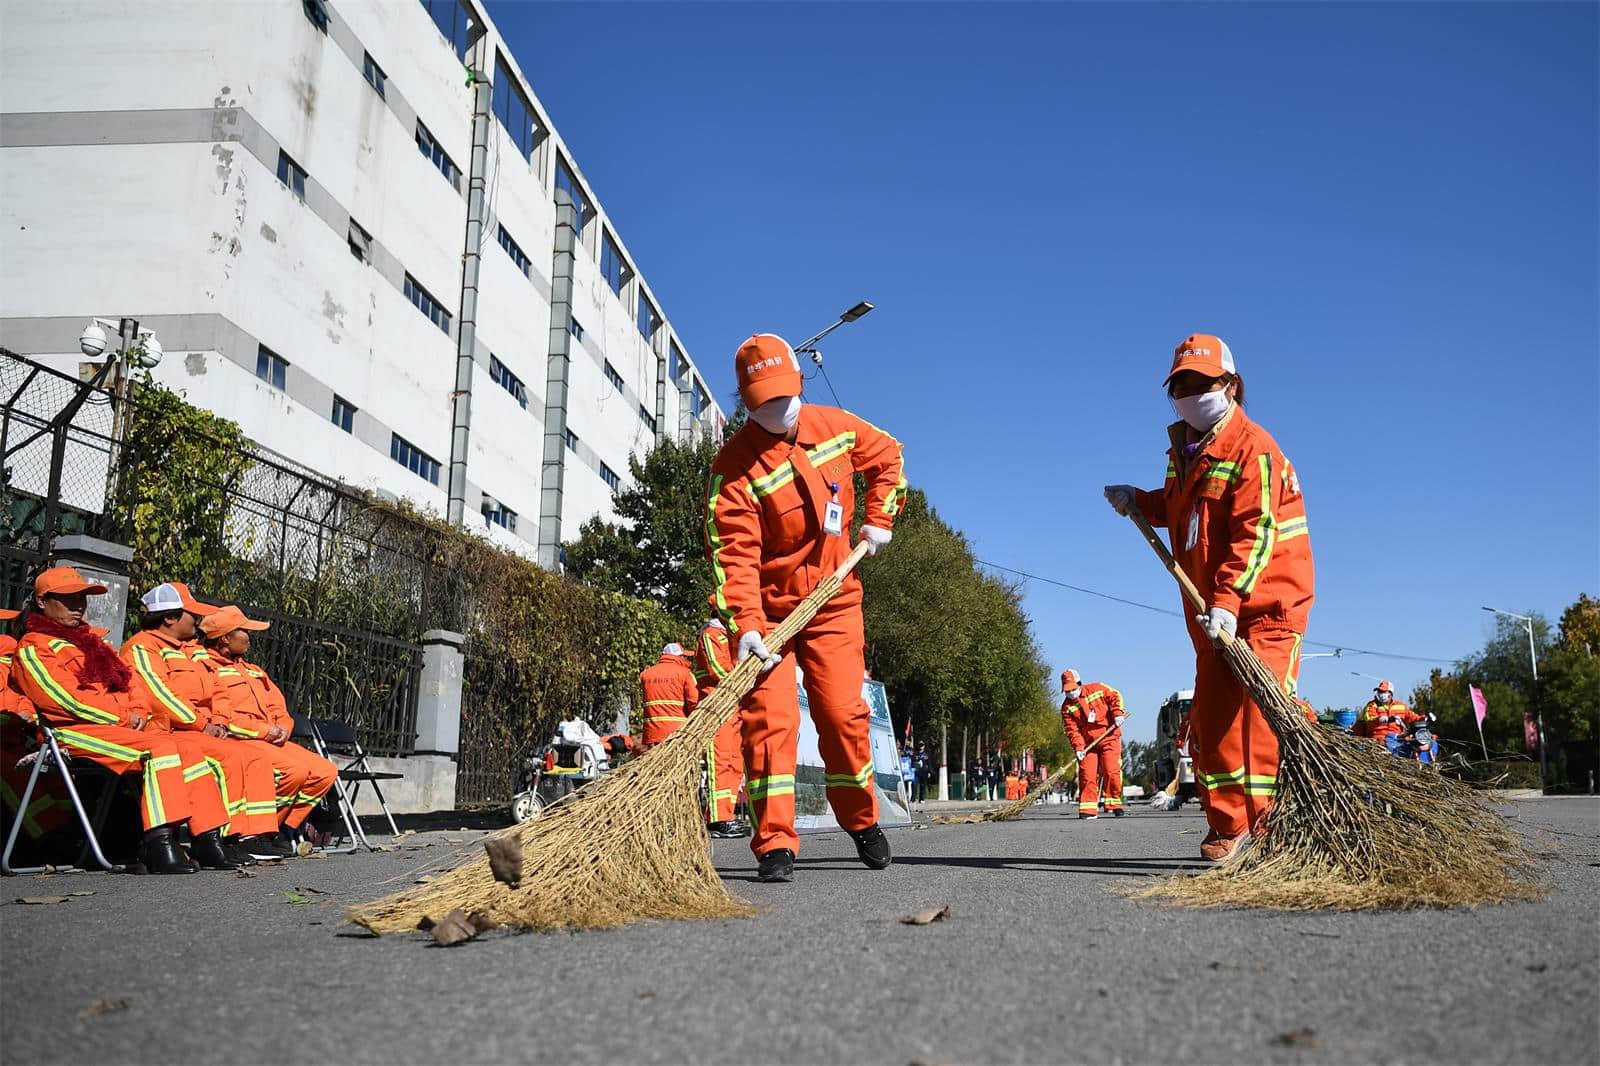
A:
855, 312
92, 341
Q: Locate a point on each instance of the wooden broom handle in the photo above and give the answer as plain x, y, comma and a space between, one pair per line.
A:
1172, 566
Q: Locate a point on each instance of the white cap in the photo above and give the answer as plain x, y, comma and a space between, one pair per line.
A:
162, 598
672, 649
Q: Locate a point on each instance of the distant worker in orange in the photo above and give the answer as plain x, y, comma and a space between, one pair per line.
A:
713, 659
1236, 521
1384, 716
260, 721
669, 694
780, 502
1088, 713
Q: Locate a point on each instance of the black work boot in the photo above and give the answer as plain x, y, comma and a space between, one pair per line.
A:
234, 848
776, 865
266, 849
208, 851
872, 847
159, 854
728, 830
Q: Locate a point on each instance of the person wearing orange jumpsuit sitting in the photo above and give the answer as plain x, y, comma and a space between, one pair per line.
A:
259, 720
713, 659
779, 504
669, 694
78, 684
49, 808
1089, 712
183, 700
1384, 716
1236, 520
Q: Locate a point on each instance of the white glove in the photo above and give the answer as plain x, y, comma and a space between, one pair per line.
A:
750, 643
875, 538
1122, 498
1119, 719
1218, 621
1078, 755
1383, 719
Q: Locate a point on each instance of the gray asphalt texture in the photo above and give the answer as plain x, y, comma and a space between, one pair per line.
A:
1041, 960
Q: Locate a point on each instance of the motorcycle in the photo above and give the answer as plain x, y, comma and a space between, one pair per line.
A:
575, 756
1416, 744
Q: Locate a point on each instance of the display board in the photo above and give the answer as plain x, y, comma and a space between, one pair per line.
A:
811, 811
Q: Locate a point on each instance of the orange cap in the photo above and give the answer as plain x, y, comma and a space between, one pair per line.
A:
1203, 353
766, 369
6, 614
1069, 678
1384, 686
64, 581
227, 619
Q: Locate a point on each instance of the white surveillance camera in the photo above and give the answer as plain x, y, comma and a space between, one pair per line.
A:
149, 353
92, 341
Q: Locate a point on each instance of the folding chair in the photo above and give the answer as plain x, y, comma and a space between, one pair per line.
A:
50, 755
337, 799
330, 738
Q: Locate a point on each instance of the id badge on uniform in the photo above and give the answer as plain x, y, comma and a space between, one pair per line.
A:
833, 519
1091, 718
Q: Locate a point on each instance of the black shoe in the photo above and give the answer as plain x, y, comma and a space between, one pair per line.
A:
1117, 813
728, 830
234, 848
208, 851
159, 854
776, 865
267, 849
1086, 817
872, 847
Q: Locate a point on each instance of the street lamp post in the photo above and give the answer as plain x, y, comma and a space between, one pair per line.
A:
1538, 711
809, 345
135, 347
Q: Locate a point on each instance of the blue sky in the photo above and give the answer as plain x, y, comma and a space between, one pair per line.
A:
1388, 211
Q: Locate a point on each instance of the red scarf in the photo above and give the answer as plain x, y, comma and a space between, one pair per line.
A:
100, 663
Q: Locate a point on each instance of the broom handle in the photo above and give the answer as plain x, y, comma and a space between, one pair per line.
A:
802, 615
1161, 549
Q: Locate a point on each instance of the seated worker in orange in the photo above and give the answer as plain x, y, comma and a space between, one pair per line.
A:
259, 720
182, 700
713, 658
78, 684
1384, 716
1089, 712
779, 503
1236, 521
49, 809
669, 694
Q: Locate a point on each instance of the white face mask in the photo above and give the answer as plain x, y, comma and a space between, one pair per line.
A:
778, 416
1205, 409
1072, 693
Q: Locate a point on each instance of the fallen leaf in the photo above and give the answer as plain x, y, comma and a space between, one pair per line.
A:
1301, 1038
932, 914
408, 832
1537, 967
310, 891
296, 899
1313, 932
316, 855
647, 995
453, 929
80, 893
243, 873
480, 921
38, 900
103, 1006
304, 848
505, 859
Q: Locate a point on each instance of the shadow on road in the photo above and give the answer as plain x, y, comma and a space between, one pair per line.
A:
1104, 867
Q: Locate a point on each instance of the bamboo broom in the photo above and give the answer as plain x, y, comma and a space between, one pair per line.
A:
1351, 826
1015, 808
632, 846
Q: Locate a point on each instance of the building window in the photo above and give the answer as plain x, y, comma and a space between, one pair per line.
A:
679, 363
413, 458
515, 252
499, 514
647, 418
700, 399
317, 12
514, 111
649, 320
611, 264
373, 73
360, 242
427, 304
436, 155
577, 330
609, 476
508, 381
614, 377
453, 21
567, 180
291, 174
572, 442
344, 413
271, 367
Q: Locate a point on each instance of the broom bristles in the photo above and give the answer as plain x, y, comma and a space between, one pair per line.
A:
633, 846
1010, 810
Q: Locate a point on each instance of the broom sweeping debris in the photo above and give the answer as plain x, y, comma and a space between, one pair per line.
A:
632, 846
1351, 826
1015, 808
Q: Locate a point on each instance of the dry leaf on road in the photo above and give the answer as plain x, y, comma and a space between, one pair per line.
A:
453, 929
932, 914
34, 901
1301, 1038
505, 859
103, 1006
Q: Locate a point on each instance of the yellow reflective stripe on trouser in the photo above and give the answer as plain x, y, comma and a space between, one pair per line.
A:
1225, 779
1091, 806
164, 695
1261, 785
152, 791
1266, 533
74, 739
860, 780
29, 657
760, 788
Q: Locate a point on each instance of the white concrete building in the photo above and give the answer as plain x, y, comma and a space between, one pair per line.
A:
279, 189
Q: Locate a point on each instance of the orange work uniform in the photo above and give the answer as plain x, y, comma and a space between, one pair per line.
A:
1237, 524
255, 705
1379, 721
1087, 718
49, 809
767, 537
91, 722
713, 659
182, 701
669, 696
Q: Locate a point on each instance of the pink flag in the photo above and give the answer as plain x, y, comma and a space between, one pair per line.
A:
1530, 731
1480, 706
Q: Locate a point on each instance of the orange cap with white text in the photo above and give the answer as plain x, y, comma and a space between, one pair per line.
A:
766, 369
1203, 353
1069, 679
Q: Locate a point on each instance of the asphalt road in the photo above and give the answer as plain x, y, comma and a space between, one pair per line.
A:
1041, 960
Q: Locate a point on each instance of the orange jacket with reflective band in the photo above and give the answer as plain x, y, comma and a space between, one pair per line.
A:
765, 506
12, 701
180, 692
713, 658
1237, 524
669, 690
254, 703
1102, 702
46, 669
1399, 715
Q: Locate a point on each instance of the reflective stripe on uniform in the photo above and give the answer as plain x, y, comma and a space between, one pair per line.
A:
1294, 527
860, 780
1261, 785
760, 788
1225, 779
1266, 533
718, 574
708, 644
770, 483
73, 738
35, 668
164, 695
1223, 471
